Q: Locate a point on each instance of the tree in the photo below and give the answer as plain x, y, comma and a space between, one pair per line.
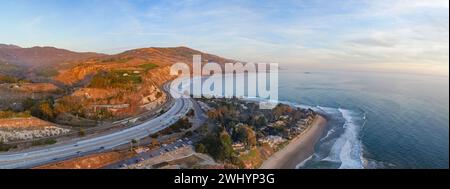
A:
133, 141
204, 128
47, 110
246, 135
28, 103
261, 122
154, 142
218, 145
43, 110
200, 148
81, 132
226, 145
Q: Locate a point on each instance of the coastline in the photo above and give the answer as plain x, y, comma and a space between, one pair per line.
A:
299, 149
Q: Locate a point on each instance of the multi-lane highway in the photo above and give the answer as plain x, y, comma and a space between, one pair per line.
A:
34, 157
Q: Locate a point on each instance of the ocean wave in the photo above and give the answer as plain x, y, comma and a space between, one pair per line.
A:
329, 133
301, 164
348, 147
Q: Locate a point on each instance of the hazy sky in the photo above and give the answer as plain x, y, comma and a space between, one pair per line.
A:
374, 32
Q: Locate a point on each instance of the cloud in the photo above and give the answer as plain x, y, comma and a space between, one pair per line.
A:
330, 32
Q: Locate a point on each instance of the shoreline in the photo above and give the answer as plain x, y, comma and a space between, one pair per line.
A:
299, 149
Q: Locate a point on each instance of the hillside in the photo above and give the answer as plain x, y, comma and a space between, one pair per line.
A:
37, 57
133, 59
83, 89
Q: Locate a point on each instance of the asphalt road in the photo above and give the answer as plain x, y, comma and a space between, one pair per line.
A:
153, 153
83, 146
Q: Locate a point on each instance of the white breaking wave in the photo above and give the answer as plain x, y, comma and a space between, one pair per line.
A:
348, 148
329, 133
301, 164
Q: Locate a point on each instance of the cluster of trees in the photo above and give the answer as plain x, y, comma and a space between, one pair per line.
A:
70, 105
47, 72
48, 109
12, 114
43, 109
245, 125
225, 114
148, 66
118, 60
44, 142
10, 79
115, 79
257, 121
180, 125
4, 147
7, 79
218, 145
246, 135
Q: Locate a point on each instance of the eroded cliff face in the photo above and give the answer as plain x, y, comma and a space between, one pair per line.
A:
123, 102
90, 89
134, 59
159, 76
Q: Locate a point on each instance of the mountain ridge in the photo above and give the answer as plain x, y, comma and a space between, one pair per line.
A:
38, 56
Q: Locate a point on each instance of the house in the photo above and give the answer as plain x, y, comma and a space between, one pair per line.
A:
238, 146
272, 140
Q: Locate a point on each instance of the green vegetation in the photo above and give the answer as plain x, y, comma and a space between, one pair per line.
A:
148, 66
115, 79
200, 148
81, 132
42, 109
246, 135
69, 105
11, 114
9, 69
218, 145
47, 72
7, 79
179, 126
10, 79
117, 60
5, 147
102, 114
43, 142
246, 123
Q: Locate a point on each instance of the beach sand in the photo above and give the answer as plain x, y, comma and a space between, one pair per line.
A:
298, 149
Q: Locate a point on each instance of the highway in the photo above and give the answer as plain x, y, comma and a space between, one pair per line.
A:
57, 152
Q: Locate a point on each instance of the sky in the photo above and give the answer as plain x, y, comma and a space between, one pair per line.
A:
366, 34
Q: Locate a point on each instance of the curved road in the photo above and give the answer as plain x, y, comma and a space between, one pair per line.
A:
35, 157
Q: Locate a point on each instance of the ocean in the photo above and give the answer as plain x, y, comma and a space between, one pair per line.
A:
376, 120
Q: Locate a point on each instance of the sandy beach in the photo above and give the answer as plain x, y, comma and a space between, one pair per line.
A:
299, 149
